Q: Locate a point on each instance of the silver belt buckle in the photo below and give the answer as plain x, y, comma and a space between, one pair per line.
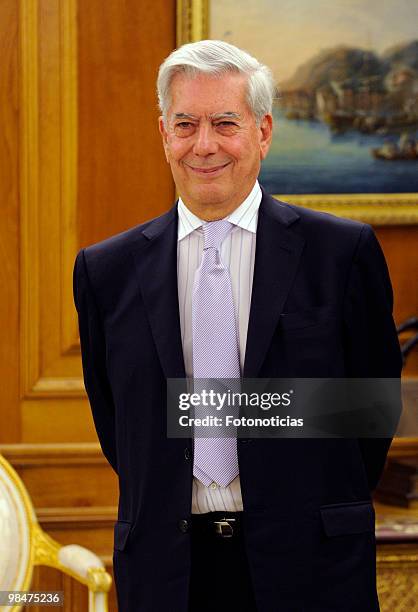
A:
224, 528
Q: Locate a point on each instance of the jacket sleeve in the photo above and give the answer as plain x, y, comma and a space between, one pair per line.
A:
93, 354
372, 347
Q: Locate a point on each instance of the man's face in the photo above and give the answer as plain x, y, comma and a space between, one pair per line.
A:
212, 142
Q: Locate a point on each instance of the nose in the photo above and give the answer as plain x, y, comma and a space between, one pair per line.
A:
205, 143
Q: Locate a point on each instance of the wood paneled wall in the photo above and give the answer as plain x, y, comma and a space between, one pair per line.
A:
400, 245
123, 177
80, 159
9, 226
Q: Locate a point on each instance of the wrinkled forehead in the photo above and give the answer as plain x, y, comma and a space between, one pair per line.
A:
208, 96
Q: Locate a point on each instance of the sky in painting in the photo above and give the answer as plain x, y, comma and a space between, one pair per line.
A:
286, 33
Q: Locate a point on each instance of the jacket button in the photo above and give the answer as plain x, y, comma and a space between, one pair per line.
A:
187, 454
184, 526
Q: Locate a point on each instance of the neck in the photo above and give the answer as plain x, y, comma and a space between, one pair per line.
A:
214, 211
211, 212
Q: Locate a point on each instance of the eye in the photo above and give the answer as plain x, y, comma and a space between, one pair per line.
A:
184, 128
227, 127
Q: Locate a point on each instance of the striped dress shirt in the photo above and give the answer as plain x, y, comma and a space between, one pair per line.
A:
238, 254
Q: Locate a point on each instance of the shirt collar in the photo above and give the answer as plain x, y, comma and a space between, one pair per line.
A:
245, 216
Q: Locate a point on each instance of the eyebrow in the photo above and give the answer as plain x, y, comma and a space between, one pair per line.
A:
228, 114
184, 116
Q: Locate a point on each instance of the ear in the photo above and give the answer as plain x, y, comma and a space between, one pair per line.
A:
164, 136
266, 135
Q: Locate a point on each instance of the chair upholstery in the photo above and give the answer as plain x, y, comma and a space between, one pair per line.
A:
24, 544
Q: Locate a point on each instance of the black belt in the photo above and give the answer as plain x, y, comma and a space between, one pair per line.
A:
219, 524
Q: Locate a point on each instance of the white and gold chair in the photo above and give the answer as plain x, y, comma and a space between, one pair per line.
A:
23, 545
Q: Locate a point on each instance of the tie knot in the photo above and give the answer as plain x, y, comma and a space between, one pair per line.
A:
215, 233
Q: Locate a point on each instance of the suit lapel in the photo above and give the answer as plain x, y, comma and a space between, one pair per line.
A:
156, 265
277, 256
278, 250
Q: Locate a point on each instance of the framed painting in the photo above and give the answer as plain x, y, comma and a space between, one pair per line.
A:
346, 117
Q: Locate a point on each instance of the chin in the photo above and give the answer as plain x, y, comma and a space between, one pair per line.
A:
209, 194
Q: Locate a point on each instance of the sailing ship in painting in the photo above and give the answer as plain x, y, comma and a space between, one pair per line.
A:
354, 89
406, 148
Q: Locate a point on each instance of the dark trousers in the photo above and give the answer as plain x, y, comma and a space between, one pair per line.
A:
220, 577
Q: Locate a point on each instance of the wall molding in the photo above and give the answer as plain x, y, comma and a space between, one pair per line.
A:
58, 454
48, 361
52, 473
29, 191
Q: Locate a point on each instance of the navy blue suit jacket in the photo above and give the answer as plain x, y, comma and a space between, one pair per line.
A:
321, 307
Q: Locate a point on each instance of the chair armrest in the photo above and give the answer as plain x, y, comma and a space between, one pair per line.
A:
85, 566
74, 560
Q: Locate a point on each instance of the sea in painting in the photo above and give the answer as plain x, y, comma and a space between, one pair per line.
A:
347, 115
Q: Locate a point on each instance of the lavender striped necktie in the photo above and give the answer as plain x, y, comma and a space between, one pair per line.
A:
215, 349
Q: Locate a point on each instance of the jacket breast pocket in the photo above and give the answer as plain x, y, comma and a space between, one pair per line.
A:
121, 534
312, 317
347, 519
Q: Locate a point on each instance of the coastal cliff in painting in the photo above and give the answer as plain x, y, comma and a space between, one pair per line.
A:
347, 73
350, 88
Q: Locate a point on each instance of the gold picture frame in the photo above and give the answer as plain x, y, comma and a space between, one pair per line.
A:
193, 24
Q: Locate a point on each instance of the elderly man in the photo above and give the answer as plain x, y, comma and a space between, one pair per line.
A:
231, 283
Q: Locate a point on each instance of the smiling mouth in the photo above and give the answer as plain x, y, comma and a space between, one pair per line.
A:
211, 170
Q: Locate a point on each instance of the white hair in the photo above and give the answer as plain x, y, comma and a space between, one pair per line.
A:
216, 58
